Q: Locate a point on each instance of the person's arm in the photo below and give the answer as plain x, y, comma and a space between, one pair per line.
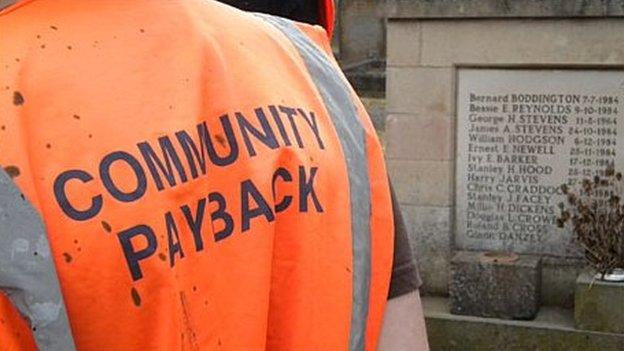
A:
404, 325
404, 322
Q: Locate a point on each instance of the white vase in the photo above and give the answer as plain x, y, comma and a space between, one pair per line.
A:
617, 275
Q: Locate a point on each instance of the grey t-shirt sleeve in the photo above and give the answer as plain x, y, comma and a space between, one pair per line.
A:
405, 277
28, 275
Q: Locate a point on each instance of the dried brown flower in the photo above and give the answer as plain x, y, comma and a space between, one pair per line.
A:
595, 214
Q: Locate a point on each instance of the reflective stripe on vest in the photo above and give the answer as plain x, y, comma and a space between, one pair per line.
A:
27, 272
6, 3
338, 102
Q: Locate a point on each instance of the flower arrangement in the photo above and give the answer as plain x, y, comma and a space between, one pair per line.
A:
595, 213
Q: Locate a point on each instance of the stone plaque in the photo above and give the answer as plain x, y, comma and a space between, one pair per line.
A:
520, 135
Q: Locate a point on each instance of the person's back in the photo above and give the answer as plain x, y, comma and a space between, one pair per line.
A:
206, 178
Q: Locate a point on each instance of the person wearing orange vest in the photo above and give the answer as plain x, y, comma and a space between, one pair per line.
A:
182, 175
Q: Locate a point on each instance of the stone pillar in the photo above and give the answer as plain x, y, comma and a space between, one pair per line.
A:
362, 31
493, 284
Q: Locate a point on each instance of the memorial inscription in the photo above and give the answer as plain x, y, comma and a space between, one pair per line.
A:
520, 135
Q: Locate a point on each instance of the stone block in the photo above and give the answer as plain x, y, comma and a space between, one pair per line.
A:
430, 231
589, 41
559, 280
403, 43
419, 137
419, 91
497, 285
551, 330
422, 183
599, 305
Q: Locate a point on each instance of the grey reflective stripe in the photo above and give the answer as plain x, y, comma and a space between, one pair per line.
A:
27, 272
338, 100
6, 3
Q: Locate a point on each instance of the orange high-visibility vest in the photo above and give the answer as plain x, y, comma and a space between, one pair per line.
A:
185, 176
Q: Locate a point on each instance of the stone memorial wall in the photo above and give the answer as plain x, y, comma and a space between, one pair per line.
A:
562, 62
492, 106
520, 135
